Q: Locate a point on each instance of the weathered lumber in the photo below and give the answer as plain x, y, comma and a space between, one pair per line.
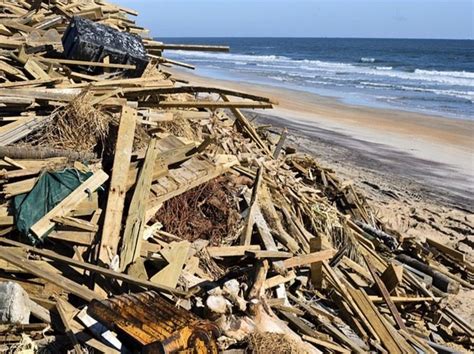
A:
386, 296
440, 281
231, 251
281, 142
62, 314
208, 104
245, 237
190, 47
248, 127
84, 265
112, 225
316, 244
392, 277
307, 259
39, 153
135, 223
447, 251
59, 280
373, 319
87, 63
176, 256
12, 132
220, 91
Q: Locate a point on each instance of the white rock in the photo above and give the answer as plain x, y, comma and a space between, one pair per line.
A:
14, 304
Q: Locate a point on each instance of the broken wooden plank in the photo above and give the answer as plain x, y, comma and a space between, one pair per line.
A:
231, 251
386, 296
308, 259
135, 224
112, 225
176, 256
84, 265
64, 283
62, 314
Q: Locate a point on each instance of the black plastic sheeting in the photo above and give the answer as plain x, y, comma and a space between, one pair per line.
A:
90, 41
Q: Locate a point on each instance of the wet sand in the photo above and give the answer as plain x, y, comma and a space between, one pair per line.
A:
434, 153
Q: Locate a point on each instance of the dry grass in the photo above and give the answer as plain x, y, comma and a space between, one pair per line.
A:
79, 126
272, 343
181, 127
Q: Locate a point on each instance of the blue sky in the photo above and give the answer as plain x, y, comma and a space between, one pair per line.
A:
307, 18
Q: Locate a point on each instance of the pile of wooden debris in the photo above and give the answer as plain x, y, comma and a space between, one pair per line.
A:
142, 213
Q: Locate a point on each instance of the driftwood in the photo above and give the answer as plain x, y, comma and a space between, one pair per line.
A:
440, 281
39, 153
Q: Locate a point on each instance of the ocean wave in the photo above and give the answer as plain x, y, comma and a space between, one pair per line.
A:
229, 56
465, 95
302, 67
367, 60
456, 74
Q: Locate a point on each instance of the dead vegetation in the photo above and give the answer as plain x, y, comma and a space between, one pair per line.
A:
207, 212
79, 126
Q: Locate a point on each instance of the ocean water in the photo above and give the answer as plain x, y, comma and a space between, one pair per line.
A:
429, 76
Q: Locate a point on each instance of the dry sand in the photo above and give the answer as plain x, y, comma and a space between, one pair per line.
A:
434, 151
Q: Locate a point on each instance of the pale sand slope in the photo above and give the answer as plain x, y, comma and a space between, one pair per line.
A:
416, 170
438, 150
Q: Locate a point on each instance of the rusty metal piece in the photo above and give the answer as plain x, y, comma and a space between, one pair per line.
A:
153, 324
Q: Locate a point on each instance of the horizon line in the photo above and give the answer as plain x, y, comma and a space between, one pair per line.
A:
307, 37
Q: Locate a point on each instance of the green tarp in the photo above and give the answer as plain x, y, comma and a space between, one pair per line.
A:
50, 189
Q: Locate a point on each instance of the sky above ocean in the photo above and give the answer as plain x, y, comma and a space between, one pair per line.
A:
307, 18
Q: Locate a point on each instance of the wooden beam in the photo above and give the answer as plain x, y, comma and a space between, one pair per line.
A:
209, 89
83, 265
190, 47
447, 251
326, 344
386, 296
208, 104
57, 279
118, 185
135, 224
264, 254
308, 259
176, 256
231, 251
62, 314
46, 223
373, 318
392, 276
248, 126
87, 63
316, 245
75, 223
246, 235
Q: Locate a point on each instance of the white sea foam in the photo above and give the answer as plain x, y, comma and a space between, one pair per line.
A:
367, 60
467, 95
457, 84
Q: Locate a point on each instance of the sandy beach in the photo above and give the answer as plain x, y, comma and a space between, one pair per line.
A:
437, 152
417, 169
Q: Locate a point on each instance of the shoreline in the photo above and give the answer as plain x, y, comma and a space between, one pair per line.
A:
431, 150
